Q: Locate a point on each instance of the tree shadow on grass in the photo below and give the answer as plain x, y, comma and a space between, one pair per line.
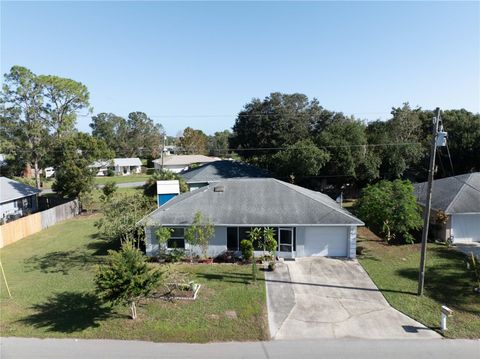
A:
68, 312
448, 281
61, 261
101, 247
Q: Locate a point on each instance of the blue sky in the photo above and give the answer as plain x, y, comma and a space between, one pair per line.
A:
197, 64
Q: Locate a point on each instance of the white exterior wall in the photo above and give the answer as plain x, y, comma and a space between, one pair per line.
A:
465, 228
310, 241
8, 208
217, 245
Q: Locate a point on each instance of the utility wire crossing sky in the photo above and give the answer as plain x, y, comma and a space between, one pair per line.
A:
197, 64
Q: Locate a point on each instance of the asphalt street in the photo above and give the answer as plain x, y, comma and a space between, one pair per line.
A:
19, 348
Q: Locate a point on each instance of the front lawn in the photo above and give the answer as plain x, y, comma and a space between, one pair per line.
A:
50, 275
122, 179
394, 269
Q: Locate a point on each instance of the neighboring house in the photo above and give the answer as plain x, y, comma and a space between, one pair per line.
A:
179, 163
455, 207
16, 199
120, 166
221, 170
306, 223
3, 160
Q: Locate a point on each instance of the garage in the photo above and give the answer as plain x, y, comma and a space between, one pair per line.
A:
466, 227
325, 242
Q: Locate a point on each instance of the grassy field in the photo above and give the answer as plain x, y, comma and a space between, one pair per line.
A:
122, 179
50, 275
394, 269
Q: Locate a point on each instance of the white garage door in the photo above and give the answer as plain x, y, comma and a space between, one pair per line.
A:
466, 227
326, 241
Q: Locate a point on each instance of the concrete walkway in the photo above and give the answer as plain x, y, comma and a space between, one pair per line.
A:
324, 298
21, 348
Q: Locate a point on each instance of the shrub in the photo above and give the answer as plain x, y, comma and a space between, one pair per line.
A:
86, 201
390, 208
126, 277
109, 189
246, 247
199, 233
121, 215
110, 173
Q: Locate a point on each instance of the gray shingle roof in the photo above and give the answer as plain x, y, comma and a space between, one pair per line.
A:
221, 170
185, 160
258, 202
458, 194
11, 190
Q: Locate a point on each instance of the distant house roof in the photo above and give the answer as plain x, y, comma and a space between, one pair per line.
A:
134, 161
458, 194
253, 202
185, 160
221, 170
11, 190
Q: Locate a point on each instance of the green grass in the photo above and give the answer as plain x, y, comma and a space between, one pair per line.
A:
394, 269
122, 179
50, 275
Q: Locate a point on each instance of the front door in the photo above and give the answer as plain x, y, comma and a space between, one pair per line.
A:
285, 243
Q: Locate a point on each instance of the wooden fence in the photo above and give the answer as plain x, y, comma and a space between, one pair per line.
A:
26, 226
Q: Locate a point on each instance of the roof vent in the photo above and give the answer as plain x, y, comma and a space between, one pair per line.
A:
219, 189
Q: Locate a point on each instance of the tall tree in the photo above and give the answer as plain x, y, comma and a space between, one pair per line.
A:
144, 136
113, 130
278, 121
193, 141
62, 98
73, 156
43, 109
29, 128
463, 129
300, 160
218, 144
137, 136
350, 158
400, 142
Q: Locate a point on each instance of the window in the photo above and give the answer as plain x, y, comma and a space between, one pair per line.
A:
232, 239
235, 235
177, 238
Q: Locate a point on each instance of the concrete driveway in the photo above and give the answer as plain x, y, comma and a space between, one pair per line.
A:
316, 297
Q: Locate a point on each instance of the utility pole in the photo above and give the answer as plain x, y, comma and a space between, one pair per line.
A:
428, 201
163, 148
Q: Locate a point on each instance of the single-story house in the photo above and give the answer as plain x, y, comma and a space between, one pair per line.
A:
120, 166
221, 170
455, 207
179, 163
16, 199
306, 223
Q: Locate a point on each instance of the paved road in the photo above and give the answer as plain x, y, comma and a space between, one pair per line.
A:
20, 348
326, 298
126, 184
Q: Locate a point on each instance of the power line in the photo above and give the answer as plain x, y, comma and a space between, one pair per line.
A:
180, 149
